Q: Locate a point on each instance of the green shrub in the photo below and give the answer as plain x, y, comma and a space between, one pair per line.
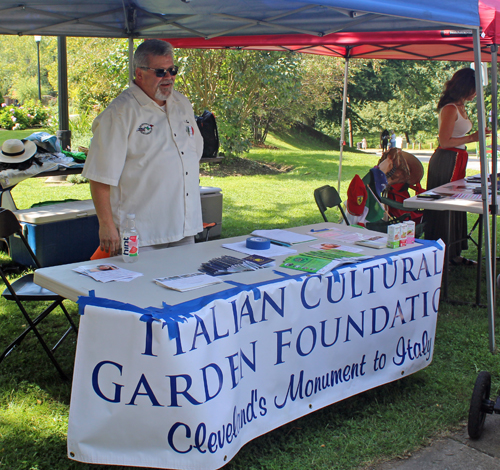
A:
23, 117
76, 179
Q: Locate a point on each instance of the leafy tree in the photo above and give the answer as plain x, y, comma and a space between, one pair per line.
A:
246, 90
97, 72
402, 95
19, 66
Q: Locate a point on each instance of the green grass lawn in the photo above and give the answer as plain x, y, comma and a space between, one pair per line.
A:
392, 420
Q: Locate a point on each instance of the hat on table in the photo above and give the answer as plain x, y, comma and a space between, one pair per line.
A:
356, 196
17, 151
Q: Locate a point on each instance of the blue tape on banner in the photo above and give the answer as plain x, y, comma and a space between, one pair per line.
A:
258, 243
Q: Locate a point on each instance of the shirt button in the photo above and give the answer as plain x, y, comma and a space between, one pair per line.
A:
187, 173
187, 194
182, 153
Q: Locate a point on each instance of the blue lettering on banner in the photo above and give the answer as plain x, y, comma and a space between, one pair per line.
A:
148, 392
319, 384
305, 304
239, 313
372, 277
332, 284
179, 434
384, 277
95, 382
313, 290
412, 351
353, 285
201, 330
349, 327
280, 310
233, 368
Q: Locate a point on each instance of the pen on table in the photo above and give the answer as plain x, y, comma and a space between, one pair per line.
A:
274, 242
320, 230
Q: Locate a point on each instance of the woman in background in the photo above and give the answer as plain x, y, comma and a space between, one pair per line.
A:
449, 161
393, 140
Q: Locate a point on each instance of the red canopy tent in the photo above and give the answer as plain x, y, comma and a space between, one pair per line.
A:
410, 45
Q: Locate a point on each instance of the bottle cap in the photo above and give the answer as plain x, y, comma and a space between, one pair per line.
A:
130, 216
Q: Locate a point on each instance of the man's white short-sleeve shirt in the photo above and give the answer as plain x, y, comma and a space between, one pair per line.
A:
150, 158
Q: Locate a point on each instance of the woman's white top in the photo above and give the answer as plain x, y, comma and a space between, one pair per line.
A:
462, 125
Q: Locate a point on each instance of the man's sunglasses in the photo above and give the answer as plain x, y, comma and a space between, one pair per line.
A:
162, 72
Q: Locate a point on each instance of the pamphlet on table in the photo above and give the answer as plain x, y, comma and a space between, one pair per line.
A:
321, 261
107, 273
283, 236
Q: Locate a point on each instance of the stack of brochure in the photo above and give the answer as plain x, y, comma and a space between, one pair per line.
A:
107, 273
186, 282
229, 264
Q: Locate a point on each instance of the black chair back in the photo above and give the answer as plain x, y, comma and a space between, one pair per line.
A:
327, 197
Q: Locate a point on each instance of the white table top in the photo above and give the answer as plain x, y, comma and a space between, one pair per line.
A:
466, 201
143, 292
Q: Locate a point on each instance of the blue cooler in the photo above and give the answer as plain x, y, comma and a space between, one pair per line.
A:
62, 233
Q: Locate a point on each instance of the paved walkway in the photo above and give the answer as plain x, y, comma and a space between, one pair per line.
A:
425, 155
455, 452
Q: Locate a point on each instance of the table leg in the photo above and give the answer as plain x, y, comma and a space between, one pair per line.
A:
446, 257
479, 260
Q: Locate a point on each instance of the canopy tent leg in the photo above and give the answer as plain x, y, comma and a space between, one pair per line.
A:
484, 176
494, 163
130, 58
344, 112
63, 134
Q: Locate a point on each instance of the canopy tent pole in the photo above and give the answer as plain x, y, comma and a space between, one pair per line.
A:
484, 184
494, 162
63, 134
130, 58
344, 112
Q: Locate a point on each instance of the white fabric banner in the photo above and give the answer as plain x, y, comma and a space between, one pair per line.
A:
245, 365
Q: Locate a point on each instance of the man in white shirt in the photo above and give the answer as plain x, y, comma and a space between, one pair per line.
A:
144, 157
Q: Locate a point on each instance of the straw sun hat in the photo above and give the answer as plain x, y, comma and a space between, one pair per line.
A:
17, 151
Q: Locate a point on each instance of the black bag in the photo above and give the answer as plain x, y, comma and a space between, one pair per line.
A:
208, 128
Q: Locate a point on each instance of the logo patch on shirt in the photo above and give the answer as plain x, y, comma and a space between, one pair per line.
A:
145, 128
190, 131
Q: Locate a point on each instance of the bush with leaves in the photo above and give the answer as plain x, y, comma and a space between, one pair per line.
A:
23, 117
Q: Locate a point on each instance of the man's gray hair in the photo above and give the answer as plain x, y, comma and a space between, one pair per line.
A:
151, 47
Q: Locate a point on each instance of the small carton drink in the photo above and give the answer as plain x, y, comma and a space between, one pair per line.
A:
410, 234
393, 236
404, 231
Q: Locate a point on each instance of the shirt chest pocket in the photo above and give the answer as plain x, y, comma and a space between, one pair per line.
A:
184, 132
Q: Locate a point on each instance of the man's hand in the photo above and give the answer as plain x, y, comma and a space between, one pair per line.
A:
108, 233
109, 238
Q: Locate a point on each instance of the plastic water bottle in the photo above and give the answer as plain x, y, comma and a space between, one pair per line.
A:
130, 241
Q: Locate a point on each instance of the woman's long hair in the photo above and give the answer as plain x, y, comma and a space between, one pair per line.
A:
459, 87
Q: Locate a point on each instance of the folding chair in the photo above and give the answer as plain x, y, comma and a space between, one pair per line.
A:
24, 290
328, 197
